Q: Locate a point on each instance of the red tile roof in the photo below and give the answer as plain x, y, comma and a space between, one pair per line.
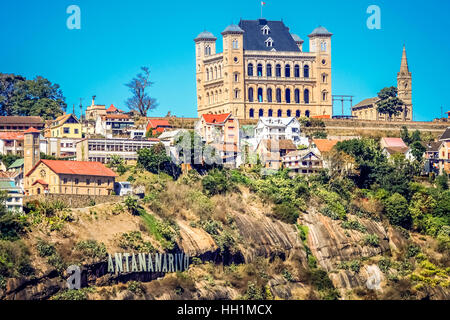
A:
325, 145
216, 118
112, 108
11, 135
83, 168
32, 130
21, 120
159, 124
42, 182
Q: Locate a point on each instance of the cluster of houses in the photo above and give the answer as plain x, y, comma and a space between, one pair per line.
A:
83, 147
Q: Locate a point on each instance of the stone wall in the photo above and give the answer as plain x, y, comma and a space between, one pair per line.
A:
75, 200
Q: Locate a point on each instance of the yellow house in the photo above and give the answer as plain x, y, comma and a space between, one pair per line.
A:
65, 126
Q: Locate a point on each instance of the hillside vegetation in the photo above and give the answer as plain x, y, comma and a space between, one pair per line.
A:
250, 235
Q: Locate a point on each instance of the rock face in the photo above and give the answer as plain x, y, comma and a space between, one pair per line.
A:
195, 241
269, 238
331, 244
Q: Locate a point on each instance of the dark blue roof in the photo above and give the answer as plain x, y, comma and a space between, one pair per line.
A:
254, 39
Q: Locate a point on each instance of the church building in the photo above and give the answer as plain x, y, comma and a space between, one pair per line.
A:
367, 109
263, 71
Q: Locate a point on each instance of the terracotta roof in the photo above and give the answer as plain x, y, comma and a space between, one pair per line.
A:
394, 143
11, 135
32, 130
84, 168
21, 120
216, 118
42, 182
112, 108
325, 145
226, 147
8, 174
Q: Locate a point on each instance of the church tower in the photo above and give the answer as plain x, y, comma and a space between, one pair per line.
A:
404, 86
32, 153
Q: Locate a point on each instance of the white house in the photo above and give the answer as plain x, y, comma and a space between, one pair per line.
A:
270, 128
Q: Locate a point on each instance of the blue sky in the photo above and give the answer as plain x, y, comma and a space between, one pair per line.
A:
118, 37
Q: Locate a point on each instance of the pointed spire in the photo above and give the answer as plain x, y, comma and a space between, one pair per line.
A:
404, 66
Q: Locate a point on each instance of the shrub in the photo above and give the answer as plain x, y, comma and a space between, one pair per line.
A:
92, 249
45, 249
216, 182
136, 288
133, 240
412, 251
287, 275
71, 295
384, 264
163, 232
14, 259
371, 240
353, 225
132, 205
286, 212
397, 211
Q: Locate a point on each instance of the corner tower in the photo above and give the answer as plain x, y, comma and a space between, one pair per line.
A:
31, 152
404, 86
233, 65
320, 44
205, 46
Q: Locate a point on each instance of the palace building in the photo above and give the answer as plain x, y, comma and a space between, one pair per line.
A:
367, 109
263, 71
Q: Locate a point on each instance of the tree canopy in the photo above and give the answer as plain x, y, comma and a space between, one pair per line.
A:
37, 97
389, 103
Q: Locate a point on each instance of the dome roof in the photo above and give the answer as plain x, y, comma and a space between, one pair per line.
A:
296, 38
320, 31
232, 28
205, 35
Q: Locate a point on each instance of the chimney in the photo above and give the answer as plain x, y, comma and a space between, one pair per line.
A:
93, 100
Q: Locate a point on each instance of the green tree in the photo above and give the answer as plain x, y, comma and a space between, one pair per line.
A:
38, 97
404, 134
389, 103
132, 205
417, 150
156, 160
442, 181
397, 211
8, 84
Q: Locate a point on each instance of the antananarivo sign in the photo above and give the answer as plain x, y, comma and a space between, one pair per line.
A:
148, 262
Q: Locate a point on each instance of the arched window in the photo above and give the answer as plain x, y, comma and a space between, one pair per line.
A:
270, 113
288, 95
269, 95
250, 69
236, 93
215, 72
278, 70
207, 74
297, 96
207, 50
260, 95
269, 70
252, 113
250, 94
307, 113
288, 113
297, 114
279, 95
259, 70
220, 71
236, 77
306, 71
324, 96
306, 96
279, 113
261, 113
297, 71
287, 71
